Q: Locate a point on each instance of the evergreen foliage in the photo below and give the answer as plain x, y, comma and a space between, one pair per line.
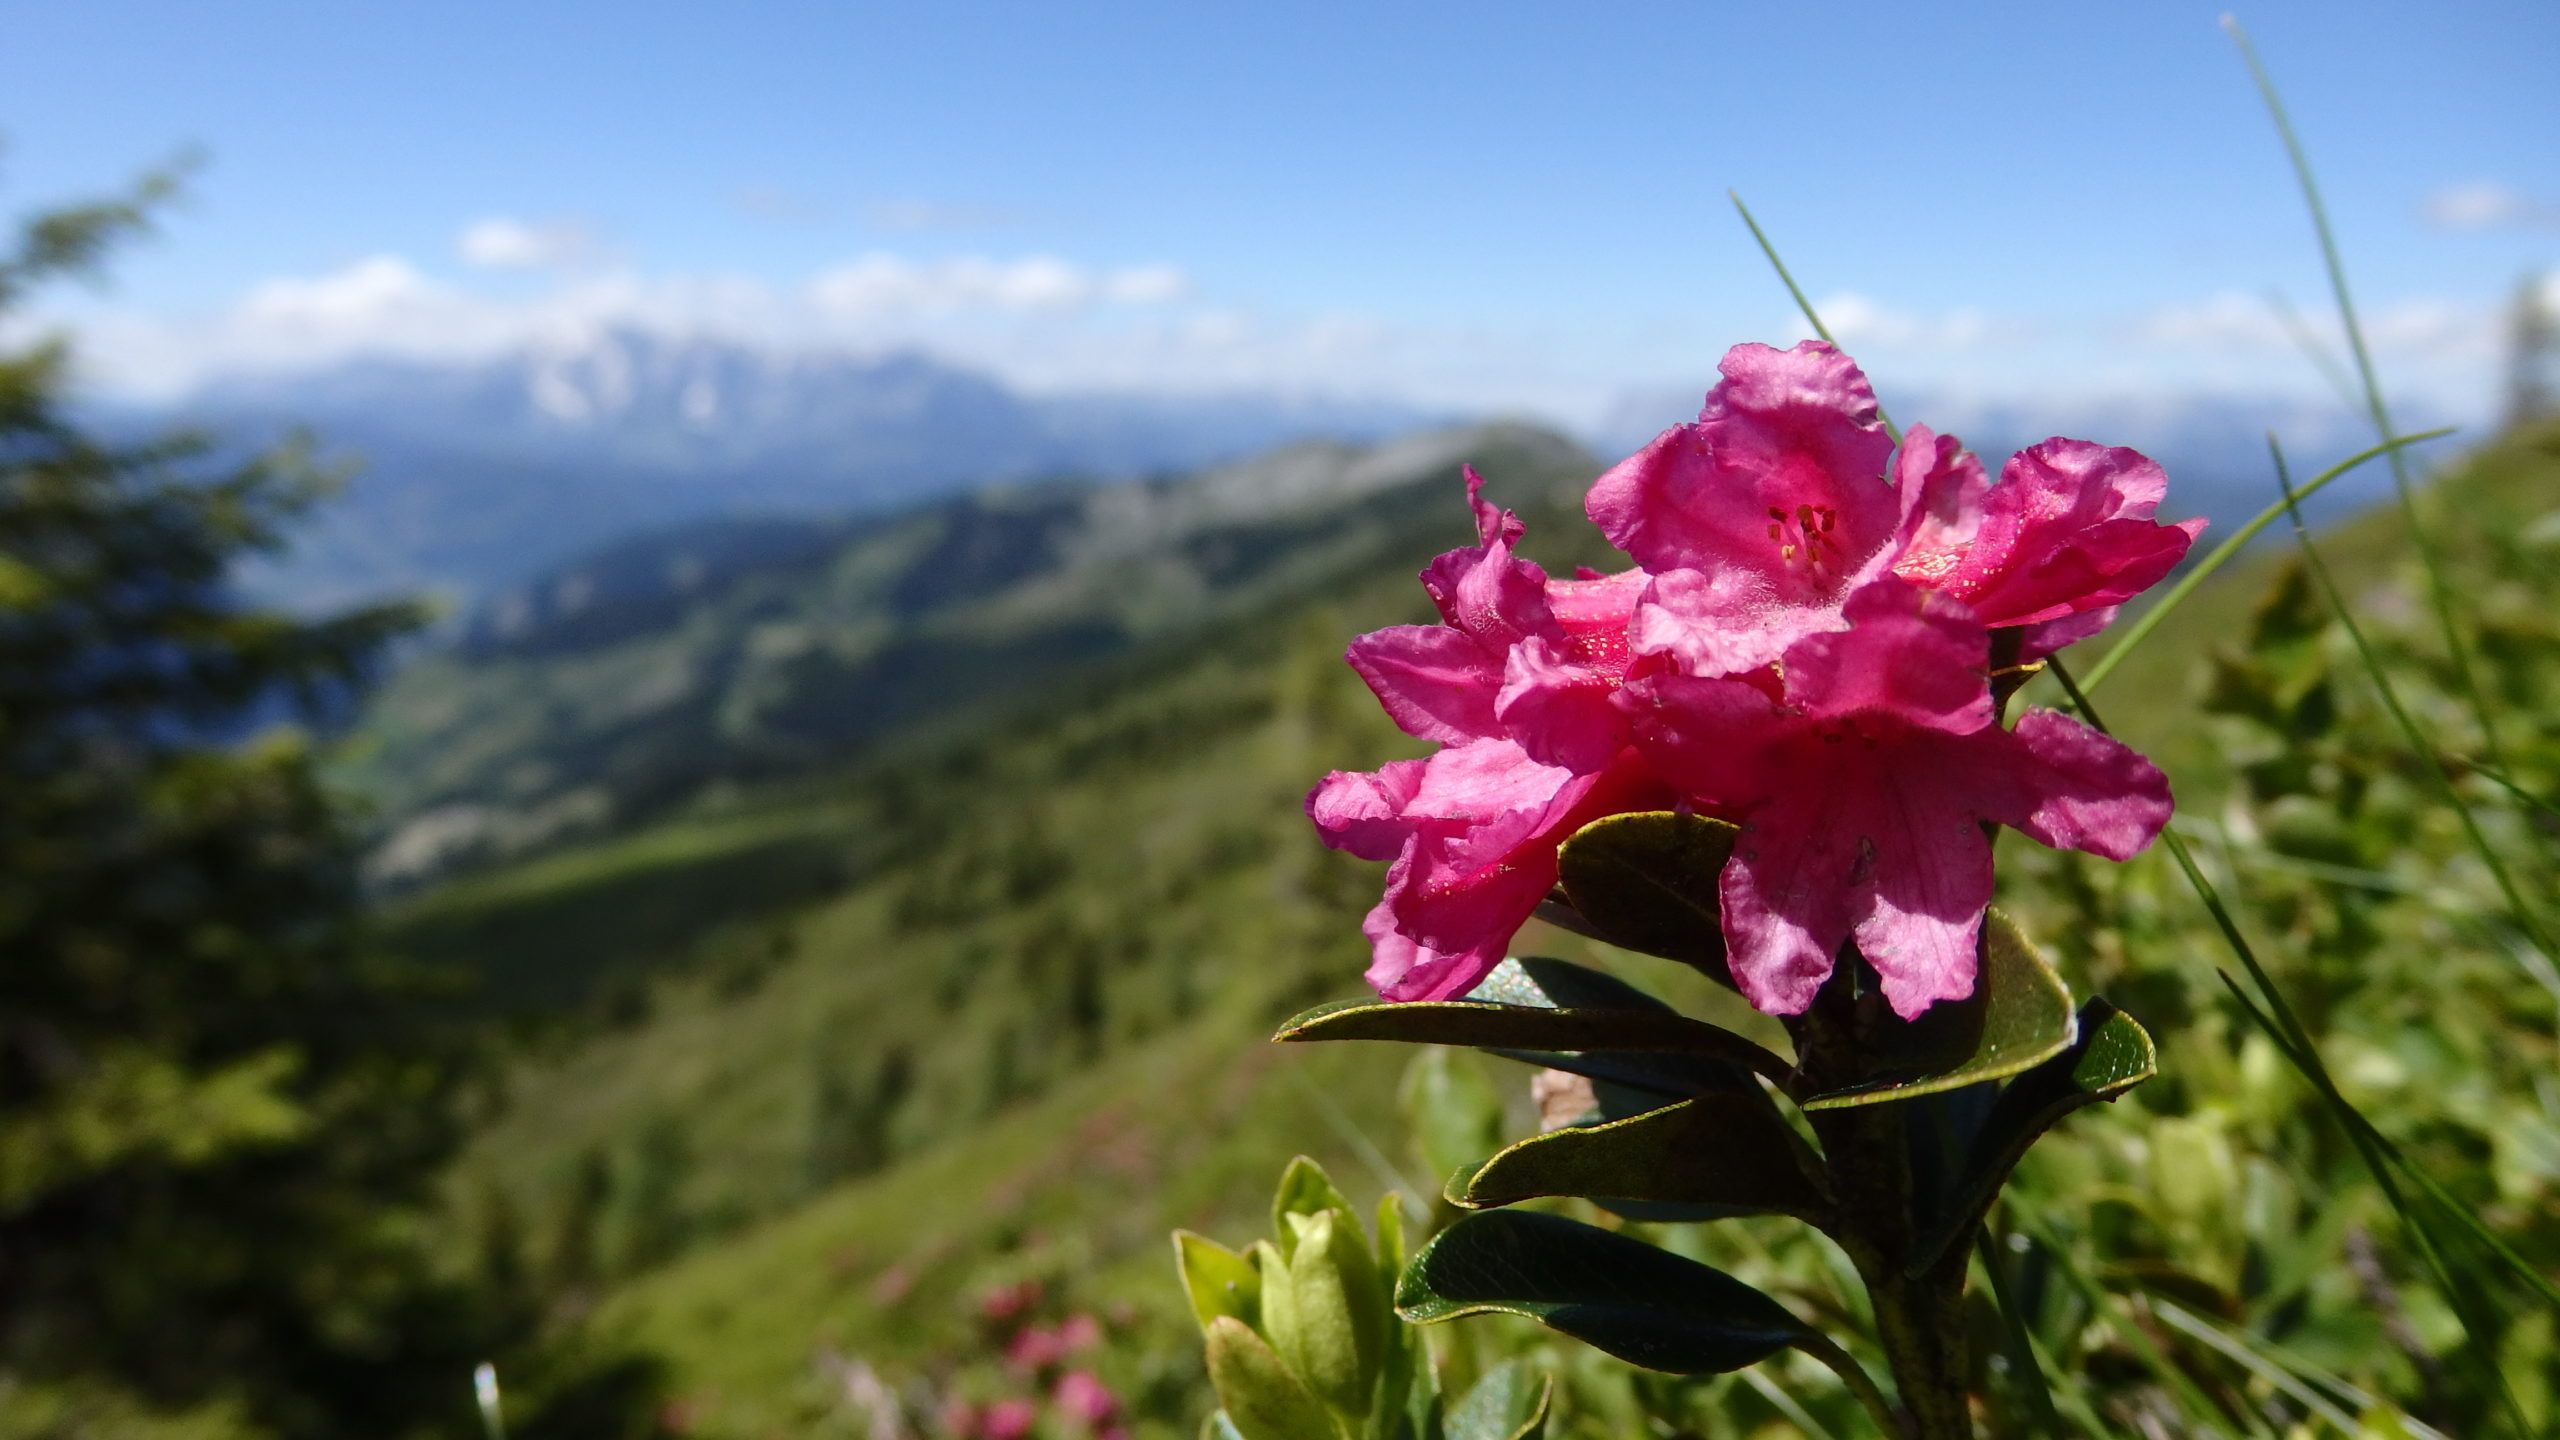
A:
220, 1114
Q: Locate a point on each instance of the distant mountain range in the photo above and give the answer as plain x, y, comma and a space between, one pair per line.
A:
478, 476
483, 474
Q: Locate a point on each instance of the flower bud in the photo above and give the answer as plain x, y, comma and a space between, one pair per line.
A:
1329, 1320
1262, 1399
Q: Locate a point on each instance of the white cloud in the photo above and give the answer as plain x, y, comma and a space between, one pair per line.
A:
2487, 205
1856, 321
2421, 328
913, 215
883, 284
503, 243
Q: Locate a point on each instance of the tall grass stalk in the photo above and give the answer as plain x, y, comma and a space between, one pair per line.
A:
2140, 630
2026, 1369
2438, 594
2526, 917
2381, 1159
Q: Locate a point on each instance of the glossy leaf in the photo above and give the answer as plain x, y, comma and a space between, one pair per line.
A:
1304, 1190
1646, 1306
1716, 1150
2112, 1055
1520, 1027
1263, 1401
1648, 882
2018, 1017
1509, 1403
1218, 1280
1544, 983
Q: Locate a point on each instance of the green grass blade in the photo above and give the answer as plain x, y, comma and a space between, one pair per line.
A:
2500, 780
2380, 1159
2022, 1351
2437, 592
2525, 916
2202, 1409
2231, 1348
2176, 594
2314, 351
1802, 304
2378, 1153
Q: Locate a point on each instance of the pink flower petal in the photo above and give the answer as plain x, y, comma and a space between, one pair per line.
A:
2081, 790
1558, 709
1722, 623
1364, 812
1402, 968
2045, 637
1788, 896
1492, 521
1490, 594
1908, 652
2067, 529
1781, 476
1941, 485
1930, 878
1434, 682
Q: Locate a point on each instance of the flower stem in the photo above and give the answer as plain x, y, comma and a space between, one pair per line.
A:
1919, 1315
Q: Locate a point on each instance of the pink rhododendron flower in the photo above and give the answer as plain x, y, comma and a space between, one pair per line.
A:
2067, 533
1008, 1420
1033, 1348
1472, 832
1082, 1396
1515, 682
1861, 780
1078, 1332
1516, 656
1761, 518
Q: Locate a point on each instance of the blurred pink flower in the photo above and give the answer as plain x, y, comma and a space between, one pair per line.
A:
1861, 781
959, 1419
1008, 1420
1034, 1348
1084, 1398
1007, 1303
1079, 1332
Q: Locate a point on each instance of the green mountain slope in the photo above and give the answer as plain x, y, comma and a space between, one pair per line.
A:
631, 682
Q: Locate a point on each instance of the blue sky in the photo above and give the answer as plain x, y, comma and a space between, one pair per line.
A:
1489, 205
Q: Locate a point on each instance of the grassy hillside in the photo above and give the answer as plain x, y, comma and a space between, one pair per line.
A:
629, 683
873, 1043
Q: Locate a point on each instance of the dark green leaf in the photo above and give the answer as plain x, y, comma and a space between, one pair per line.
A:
2018, 1017
1647, 882
1520, 1027
1721, 1150
1509, 1403
1548, 984
1646, 1306
1541, 983
2112, 1055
